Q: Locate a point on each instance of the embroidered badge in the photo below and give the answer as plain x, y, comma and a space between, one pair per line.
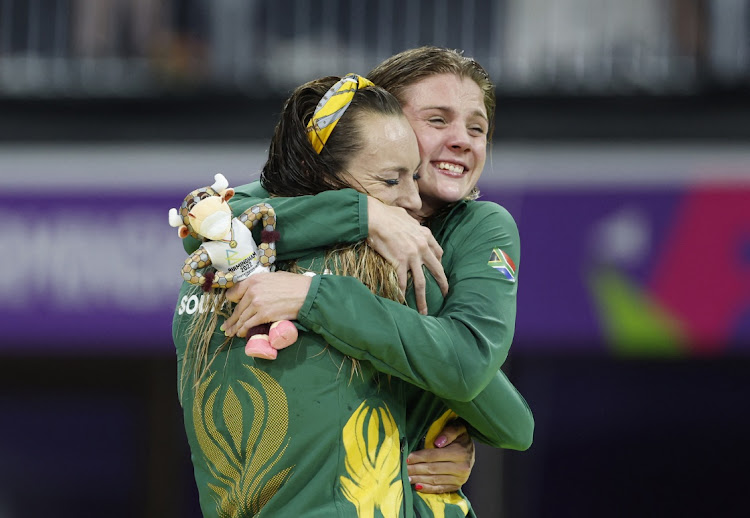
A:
502, 262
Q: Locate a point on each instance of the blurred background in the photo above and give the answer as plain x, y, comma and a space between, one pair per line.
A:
621, 149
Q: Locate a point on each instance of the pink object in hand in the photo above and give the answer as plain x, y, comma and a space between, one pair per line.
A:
258, 346
282, 335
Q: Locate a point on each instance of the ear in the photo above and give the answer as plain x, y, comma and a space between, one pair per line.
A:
227, 194
183, 232
175, 220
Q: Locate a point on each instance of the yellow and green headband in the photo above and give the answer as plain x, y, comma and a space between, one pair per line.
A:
332, 107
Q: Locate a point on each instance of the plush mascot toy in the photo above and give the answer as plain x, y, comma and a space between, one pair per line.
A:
229, 246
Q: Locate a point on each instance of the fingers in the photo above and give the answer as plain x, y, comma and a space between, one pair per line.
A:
237, 294
420, 286
456, 452
241, 293
241, 327
450, 432
403, 274
432, 261
445, 468
407, 246
455, 472
268, 297
439, 477
434, 485
424, 486
437, 250
439, 274
234, 294
251, 321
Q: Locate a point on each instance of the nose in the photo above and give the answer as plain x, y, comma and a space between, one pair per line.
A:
409, 198
458, 137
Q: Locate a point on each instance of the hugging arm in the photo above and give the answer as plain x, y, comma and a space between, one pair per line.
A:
305, 223
454, 354
313, 223
499, 416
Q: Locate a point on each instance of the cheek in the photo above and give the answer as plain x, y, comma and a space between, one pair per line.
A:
426, 177
380, 192
481, 157
427, 140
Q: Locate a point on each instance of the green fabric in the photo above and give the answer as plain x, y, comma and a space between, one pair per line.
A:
437, 352
298, 436
431, 352
308, 223
428, 352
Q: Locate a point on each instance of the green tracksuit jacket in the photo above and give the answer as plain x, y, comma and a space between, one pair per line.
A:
298, 436
424, 351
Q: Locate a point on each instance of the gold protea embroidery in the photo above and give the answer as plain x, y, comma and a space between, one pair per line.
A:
373, 462
243, 463
438, 502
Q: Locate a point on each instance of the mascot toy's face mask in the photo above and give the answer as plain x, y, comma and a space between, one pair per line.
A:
205, 214
211, 218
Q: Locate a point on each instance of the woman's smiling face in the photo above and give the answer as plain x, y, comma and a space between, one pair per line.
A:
449, 117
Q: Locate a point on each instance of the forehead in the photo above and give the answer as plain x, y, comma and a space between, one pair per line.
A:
446, 91
388, 145
386, 132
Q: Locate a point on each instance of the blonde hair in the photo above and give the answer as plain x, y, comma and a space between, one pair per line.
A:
365, 264
200, 332
358, 260
362, 262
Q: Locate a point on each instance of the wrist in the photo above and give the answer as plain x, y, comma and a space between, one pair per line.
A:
374, 210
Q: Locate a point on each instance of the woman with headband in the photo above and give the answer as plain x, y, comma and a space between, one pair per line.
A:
313, 433
449, 100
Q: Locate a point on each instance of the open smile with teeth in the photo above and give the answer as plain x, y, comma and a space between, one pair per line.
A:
451, 168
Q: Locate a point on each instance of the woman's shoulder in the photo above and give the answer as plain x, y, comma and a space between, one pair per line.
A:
490, 209
478, 224
251, 190
474, 214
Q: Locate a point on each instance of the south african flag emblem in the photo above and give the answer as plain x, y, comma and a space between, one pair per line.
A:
502, 262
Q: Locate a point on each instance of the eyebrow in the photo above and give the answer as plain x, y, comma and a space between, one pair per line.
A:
401, 170
480, 113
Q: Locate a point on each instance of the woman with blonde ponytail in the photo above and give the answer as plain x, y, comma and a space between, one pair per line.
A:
315, 432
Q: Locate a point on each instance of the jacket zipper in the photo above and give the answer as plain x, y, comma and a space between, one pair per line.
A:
402, 445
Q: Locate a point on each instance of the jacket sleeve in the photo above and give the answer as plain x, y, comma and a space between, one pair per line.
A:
305, 223
454, 354
499, 416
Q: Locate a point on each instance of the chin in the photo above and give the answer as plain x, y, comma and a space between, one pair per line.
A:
451, 194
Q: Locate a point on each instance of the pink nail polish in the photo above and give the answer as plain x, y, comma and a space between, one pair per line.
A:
440, 441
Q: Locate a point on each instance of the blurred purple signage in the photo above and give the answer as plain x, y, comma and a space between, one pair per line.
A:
637, 271
642, 272
93, 273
